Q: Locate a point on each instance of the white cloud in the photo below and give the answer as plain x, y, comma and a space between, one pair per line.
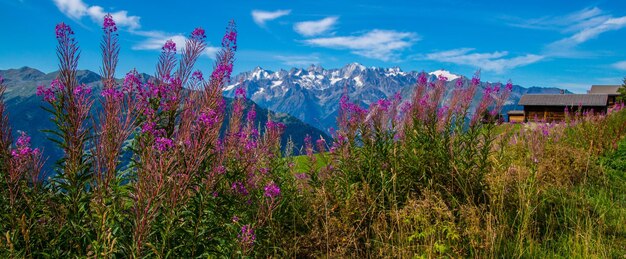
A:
313, 28
496, 61
581, 26
260, 17
74, 9
375, 44
567, 23
298, 60
620, 65
153, 40
211, 51
77, 9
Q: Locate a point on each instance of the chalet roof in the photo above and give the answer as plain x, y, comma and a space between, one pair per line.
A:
604, 89
564, 100
515, 112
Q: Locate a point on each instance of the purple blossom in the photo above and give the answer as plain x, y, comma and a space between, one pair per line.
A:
274, 125
197, 75
476, 78
63, 31
442, 78
321, 144
1, 79
169, 47
302, 176
496, 88
238, 187
222, 71
23, 148
240, 93
509, 86
49, 93
208, 119
247, 237
397, 97
163, 144
422, 79
459, 83
272, 190
148, 127
113, 94
131, 81
109, 25
250, 144
82, 90
442, 111
230, 38
251, 114
198, 34
383, 104
487, 91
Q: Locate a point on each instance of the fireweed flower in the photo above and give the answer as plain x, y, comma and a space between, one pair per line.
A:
22, 147
113, 94
251, 114
271, 190
230, 38
63, 31
509, 85
422, 79
321, 145
459, 83
197, 75
198, 34
132, 81
82, 91
169, 47
49, 93
476, 78
163, 144
239, 188
383, 104
109, 25
208, 119
247, 237
240, 93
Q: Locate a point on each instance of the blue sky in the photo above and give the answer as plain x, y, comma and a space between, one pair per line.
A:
569, 44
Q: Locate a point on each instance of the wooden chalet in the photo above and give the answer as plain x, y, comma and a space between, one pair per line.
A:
516, 116
551, 107
610, 90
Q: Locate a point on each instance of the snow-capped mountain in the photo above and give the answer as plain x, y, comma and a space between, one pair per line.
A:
313, 94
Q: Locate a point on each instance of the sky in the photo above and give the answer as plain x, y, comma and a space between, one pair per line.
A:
567, 44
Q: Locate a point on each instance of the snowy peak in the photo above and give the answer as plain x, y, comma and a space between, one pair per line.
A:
444, 73
259, 73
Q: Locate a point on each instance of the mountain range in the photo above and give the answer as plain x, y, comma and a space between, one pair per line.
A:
312, 94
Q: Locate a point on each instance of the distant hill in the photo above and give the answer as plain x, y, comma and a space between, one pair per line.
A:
26, 113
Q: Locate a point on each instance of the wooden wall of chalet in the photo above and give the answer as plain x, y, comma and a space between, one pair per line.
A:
517, 118
555, 113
